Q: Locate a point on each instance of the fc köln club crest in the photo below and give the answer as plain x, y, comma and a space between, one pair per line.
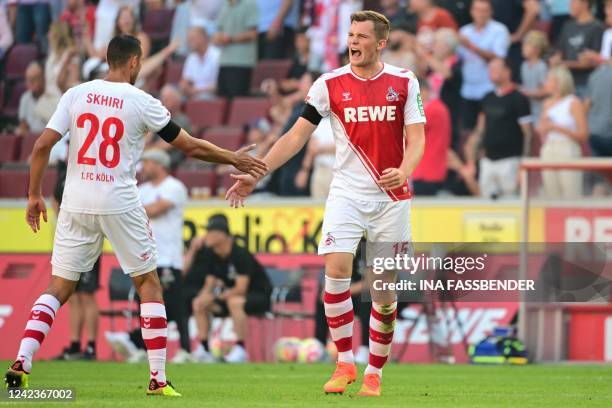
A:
392, 96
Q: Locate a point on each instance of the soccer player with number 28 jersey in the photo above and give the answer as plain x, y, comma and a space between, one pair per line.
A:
107, 120
378, 123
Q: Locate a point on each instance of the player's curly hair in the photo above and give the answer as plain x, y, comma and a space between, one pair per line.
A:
381, 23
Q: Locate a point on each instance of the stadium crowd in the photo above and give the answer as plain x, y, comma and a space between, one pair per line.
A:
500, 80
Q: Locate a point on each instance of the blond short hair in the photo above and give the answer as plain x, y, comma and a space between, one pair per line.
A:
564, 79
381, 23
538, 40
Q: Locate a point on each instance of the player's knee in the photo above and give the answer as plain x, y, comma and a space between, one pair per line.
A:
61, 288
148, 287
337, 272
202, 302
236, 303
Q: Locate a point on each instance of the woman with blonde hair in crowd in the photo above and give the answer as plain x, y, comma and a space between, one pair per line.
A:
127, 23
62, 66
563, 128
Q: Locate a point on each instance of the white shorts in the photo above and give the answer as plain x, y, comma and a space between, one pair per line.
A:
79, 239
346, 220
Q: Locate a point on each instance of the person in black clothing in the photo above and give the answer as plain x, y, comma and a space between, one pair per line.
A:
504, 130
236, 285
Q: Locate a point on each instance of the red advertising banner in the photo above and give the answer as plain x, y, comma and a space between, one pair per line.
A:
24, 277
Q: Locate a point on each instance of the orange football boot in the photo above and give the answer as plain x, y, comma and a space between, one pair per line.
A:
371, 386
345, 374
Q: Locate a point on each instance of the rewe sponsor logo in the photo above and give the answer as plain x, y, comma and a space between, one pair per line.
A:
370, 114
5, 312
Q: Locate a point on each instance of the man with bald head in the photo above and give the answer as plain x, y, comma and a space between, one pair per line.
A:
201, 69
29, 120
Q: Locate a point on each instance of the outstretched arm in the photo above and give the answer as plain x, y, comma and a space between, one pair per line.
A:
289, 144
38, 164
285, 148
206, 151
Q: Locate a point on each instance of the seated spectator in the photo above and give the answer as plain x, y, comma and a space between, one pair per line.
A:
598, 103
33, 19
201, 69
283, 179
127, 23
398, 15
278, 20
172, 99
443, 69
400, 50
63, 65
300, 62
236, 285
6, 33
583, 32
482, 41
504, 130
237, 38
82, 19
563, 127
429, 176
319, 161
533, 71
518, 16
30, 119
430, 18
106, 17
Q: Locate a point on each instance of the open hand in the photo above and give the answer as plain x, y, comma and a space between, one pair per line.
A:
244, 185
249, 164
36, 206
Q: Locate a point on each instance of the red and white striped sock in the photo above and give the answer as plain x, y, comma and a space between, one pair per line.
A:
154, 328
340, 316
39, 324
382, 324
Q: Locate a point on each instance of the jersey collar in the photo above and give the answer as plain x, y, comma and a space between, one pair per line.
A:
377, 75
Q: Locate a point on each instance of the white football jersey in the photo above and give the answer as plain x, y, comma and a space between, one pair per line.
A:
107, 122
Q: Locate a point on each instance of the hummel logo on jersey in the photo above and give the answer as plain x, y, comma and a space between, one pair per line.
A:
370, 114
346, 96
392, 96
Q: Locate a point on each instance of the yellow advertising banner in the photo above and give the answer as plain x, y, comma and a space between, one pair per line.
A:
295, 227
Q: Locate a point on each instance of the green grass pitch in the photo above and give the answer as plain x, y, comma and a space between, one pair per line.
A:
266, 385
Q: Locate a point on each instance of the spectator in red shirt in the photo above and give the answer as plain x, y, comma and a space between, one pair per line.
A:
429, 176
430, 16
82, 20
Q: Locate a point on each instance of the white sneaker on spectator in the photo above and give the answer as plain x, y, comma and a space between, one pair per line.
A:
138, 357
181, 357
121, 344
202, 356
363, 355
237, 355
